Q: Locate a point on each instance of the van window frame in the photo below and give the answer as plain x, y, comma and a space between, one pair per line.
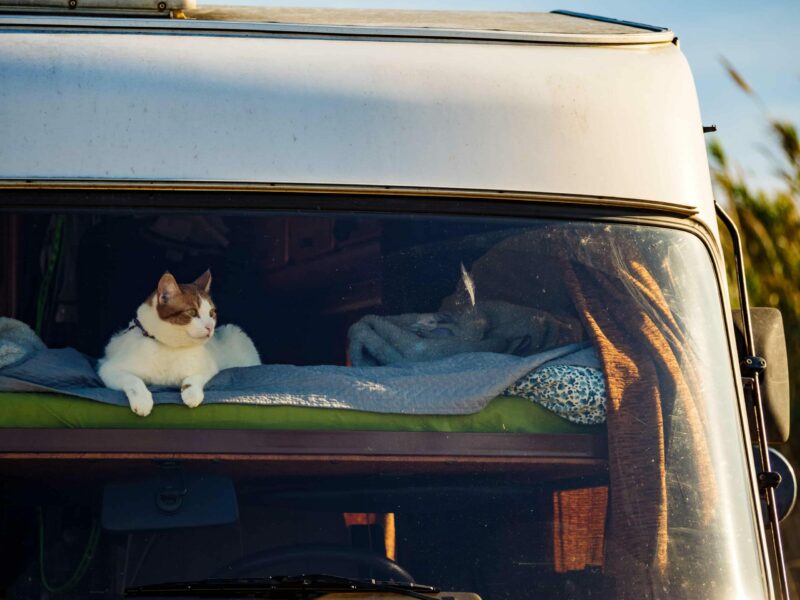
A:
75, 197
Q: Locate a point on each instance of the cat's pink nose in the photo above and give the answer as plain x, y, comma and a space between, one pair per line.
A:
209, 329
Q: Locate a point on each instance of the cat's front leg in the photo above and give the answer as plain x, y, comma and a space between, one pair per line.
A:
139, 397
192, 389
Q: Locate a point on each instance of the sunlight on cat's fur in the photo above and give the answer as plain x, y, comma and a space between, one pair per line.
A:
174, 341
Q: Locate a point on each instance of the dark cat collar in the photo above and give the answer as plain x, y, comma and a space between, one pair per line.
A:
137, 324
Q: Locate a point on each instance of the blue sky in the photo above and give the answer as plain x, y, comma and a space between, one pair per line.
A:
761, 39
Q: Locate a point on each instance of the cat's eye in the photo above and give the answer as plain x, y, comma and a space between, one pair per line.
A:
213, 313
191, 312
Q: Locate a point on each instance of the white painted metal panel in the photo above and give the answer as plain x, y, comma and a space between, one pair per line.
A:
607, 121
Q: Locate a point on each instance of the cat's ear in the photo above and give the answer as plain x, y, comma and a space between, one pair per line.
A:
204, 281
167, 288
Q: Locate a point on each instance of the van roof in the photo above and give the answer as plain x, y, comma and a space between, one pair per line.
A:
563, 27
184, 102
556, 26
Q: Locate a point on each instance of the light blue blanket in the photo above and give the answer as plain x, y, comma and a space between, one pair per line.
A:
459, 384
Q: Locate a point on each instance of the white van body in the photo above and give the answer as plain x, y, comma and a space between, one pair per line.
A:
542, 108
558, 105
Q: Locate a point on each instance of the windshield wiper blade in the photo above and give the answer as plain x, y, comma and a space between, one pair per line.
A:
281, 586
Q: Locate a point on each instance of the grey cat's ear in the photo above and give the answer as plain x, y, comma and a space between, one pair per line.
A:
167, 288
204, 281
469, 284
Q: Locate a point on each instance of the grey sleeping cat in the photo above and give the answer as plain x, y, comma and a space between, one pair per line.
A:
474, 326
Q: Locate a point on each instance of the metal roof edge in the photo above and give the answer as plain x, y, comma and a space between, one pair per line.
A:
580, 15
686, 210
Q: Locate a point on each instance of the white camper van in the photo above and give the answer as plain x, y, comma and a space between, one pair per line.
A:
478, 257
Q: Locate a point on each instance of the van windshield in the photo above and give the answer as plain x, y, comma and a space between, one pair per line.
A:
499, 407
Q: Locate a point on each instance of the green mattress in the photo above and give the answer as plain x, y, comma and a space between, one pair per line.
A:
504, 414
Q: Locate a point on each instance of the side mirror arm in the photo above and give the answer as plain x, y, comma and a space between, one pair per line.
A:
756, 371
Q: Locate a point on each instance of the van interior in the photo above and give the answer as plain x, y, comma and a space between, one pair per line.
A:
512, 501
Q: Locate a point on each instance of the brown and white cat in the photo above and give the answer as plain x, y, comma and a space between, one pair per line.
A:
172, 341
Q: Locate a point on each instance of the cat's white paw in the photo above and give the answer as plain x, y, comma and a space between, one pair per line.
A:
191, 394
140, 399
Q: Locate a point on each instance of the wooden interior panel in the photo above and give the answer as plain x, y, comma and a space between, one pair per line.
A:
56, 452
187, 442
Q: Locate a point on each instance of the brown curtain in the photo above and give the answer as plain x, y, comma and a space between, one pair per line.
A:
616, 280
648, 368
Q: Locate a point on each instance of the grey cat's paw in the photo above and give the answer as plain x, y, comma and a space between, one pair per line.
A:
140, 399
191, 394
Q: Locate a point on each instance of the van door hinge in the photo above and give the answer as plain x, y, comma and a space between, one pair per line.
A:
753, 365
768, 479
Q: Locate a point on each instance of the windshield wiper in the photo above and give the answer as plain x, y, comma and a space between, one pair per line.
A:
281, 586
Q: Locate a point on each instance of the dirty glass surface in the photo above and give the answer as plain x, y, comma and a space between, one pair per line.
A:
614, 328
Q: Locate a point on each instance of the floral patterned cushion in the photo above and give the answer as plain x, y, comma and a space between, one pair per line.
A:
575, 393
